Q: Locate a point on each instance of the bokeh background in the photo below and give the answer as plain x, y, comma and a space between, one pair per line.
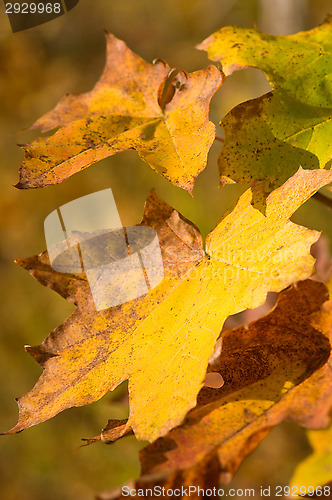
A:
37, 67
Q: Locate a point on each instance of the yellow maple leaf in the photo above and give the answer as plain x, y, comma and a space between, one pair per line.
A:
162, 342
268, 379
134, 105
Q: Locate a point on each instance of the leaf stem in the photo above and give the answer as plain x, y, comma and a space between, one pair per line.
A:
327, 202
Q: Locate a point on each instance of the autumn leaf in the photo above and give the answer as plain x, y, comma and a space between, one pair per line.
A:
300, 64
301, 125
269, 137
268, 379
252, 151
162, 342
316, 469
163, 114
265, 136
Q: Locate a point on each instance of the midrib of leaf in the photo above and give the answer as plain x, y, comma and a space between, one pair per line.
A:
175, 147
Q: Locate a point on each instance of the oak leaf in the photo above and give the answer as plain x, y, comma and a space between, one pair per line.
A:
134, 105
162, 342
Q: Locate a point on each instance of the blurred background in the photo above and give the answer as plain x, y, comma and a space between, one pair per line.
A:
37, 67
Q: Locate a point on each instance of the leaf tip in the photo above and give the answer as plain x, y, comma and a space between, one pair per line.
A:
14, 430
202, 45
19, 185
39, 354
20, 262
190, 189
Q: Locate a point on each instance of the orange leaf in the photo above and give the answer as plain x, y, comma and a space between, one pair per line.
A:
132, 106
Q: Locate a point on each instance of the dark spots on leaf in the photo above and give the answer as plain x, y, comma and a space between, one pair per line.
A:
90, 144
149, 131
248, 413
160, 169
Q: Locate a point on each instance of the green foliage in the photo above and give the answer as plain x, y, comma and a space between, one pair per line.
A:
298, 113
